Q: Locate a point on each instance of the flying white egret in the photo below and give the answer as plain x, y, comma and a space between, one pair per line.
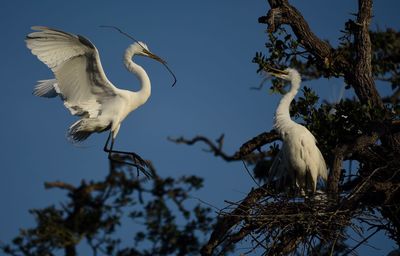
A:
81, 83
299, 162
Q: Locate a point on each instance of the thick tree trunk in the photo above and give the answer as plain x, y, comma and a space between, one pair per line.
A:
360, 76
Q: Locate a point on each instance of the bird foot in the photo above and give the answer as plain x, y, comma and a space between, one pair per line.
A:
138, 162
138, 159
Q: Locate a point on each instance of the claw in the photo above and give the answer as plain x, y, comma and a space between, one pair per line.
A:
138, 163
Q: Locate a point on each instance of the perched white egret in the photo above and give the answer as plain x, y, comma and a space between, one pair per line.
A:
81, 83
299, 162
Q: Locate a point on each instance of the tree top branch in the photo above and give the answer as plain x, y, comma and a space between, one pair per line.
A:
283, 13
356, 70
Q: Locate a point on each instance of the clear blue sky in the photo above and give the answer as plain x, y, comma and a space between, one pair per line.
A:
208, 44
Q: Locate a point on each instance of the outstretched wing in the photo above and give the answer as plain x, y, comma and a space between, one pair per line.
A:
75, 62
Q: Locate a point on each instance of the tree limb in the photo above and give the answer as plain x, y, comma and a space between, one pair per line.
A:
59, 184
283, 13
257, 142
242, 154
215, 148
360, 146
360, 77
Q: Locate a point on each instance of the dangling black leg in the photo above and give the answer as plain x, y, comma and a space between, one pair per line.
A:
105, 145
138, 162
135, 157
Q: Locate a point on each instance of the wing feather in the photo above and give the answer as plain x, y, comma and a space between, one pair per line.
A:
75, 62
46, 88
311, 155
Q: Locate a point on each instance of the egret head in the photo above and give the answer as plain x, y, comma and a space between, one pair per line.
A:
143, 50
288, 74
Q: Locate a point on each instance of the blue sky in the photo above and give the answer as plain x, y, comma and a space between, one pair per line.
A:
208, 44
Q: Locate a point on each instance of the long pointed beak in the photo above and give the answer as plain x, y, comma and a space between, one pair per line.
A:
274, 71
155, 57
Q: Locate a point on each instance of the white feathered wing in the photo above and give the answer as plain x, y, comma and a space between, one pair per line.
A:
80, 78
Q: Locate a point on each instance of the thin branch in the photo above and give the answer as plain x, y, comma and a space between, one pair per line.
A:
59, 184
362, 241
249, 173
216, 147
242, 154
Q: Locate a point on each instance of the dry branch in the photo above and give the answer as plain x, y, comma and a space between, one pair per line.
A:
245, 151
292, 221
59, 184
215, 148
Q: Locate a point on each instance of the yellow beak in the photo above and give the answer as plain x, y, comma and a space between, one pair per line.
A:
153, 56
274, 71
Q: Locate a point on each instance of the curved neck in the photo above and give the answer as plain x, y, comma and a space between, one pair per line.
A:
145, 86
282, 114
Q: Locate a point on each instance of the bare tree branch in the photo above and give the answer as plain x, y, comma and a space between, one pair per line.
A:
215, 148
59, 184
244, 153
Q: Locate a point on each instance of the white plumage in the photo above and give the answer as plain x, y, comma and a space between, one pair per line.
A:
82, 84
299, 162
